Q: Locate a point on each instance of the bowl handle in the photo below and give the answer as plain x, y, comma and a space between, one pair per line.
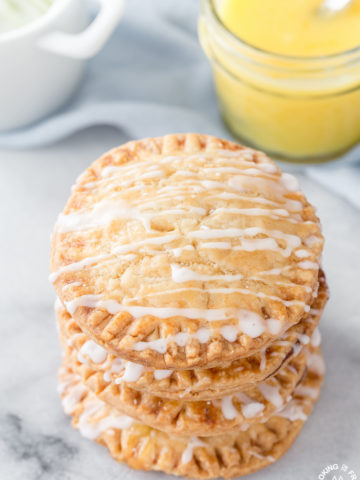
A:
89, 42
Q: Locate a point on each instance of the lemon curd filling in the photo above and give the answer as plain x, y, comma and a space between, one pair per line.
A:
292, 27
287, 76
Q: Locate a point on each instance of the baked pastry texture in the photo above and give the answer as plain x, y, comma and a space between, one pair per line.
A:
204, 417
229, 455
189, 286
198, 384
186, 251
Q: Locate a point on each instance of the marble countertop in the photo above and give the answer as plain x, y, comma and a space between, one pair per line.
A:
36, 439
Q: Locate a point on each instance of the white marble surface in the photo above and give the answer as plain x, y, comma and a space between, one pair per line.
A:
36, 440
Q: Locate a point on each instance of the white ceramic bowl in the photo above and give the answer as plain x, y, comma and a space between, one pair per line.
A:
41, 63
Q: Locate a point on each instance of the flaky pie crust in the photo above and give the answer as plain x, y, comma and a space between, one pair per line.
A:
116, 206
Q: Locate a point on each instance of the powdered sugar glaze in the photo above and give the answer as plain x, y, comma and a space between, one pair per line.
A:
238, 198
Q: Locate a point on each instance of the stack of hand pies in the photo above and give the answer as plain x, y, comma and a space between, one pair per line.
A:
187, 271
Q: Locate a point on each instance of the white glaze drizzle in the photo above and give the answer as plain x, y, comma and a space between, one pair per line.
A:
297, 349
58, 305
261, 457
271, 393
107, 210
160, 345
293, 241
70, 341
304, 339
257, 169
316, 338
69, 380
305, 391
262, 365
276, 213
188, 453
249, 408
228, 410
216, 245
95, 352
178, 251
103, 213
293, 411
216, 314
252, 409
182, 274
249, 323
229, 332
117, 366
312, 240
302, 253
72, 397
93, 430
228, 291
130, 372
76, 266
120, 250
72, 392
133, 372
162, 374
316, 363
68, 286
308, 265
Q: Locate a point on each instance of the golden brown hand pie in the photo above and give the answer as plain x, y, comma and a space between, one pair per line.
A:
224, 414
186, 251
199, 384
227, 455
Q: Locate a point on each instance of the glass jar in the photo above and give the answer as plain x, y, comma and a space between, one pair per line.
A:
300, 109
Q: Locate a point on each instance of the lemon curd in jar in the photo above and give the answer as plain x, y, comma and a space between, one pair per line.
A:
287, 76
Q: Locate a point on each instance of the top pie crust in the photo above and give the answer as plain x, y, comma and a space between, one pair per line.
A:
185, 251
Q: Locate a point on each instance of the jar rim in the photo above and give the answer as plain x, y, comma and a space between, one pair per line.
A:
269, 53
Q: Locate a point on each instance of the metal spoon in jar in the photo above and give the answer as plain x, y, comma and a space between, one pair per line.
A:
331, 7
